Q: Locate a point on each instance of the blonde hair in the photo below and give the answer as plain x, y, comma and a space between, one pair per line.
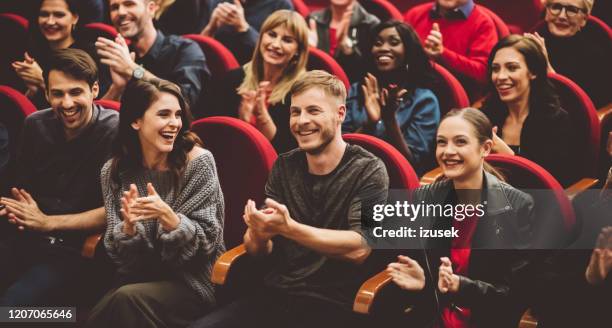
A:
254, 70
330, 84
162, 6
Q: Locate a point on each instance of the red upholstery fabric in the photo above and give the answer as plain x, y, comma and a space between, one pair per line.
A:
244, 158
584, 118
382, 9
92, 31
596, 21
524, 174
449, 91
405, 5
318, 59
301, 7
502, 29
218, 58
109, 104
14, 29
315, 5
401, 174
520, 15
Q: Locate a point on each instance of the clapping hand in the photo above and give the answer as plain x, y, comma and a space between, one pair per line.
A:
433, 43
601, 258
407, 273
153, 207
448, 282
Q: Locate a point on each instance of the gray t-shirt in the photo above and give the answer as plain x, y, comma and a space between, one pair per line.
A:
340, 200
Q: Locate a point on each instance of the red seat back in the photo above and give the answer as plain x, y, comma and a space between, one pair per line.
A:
382, 9
401, 174
319, 59
528, 176
501, 27
15, 41
519, 15
218, 58
301, 7
244, 158
583, 116
449, 91
92, 31
108, 104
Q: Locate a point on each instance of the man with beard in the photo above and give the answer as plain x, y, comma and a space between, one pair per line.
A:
57, 200
318, 209
155, 55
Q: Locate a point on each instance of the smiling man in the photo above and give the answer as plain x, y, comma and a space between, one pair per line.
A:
58, 199
320, 203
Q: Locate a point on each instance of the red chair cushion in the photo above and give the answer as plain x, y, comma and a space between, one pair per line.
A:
244, 158
382, 9
218, 58
501, 27
108, 104
319, 59
401, 174
449, 91
301, 7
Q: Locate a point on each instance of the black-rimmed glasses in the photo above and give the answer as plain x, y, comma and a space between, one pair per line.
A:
570, 11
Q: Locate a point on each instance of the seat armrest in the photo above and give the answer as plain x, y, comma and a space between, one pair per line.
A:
580, 186
224, 264
604, 111
89, 246
368, 291
431, 176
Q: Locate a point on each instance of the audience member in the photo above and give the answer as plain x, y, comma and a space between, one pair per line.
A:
155, 55
483, 272
319, 206
180, 17
164, 209
237, 23
576, 48
56, 25
57, 200
342, 30
256, 92
459, 36
525, 110
394, 102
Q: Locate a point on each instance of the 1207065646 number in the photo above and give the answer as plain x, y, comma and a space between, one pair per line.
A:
37, 314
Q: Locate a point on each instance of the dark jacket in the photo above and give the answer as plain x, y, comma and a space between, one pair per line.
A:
499, 265
359, 33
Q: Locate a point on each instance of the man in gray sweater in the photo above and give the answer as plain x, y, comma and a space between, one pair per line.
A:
318, 209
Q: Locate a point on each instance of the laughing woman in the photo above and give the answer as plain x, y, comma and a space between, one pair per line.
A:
164, 210
481, 280
396, 62
256, 92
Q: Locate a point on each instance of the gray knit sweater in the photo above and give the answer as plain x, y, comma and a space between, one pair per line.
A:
188, 252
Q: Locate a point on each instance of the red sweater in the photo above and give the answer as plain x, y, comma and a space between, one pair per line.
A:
467, 42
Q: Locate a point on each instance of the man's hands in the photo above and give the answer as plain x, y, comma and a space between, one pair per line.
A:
407, 273
601, 258
117, 56
227, 14
23, 211
135, 208
344, 43
269, 222
448, 282
433, 43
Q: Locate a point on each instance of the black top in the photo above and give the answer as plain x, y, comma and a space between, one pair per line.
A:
64, 176
178, 60
226, 102
585, 59
547, 138
4, 149
340, 200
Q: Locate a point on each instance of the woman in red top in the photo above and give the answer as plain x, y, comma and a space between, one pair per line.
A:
481, 275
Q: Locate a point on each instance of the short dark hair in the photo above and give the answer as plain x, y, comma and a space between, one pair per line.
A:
74, 62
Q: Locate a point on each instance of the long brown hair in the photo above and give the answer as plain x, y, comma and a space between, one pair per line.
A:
483, 131
138, 96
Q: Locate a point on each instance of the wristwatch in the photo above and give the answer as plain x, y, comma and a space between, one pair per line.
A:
138, 73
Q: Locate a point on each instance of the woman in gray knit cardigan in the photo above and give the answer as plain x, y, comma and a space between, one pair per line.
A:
164, 210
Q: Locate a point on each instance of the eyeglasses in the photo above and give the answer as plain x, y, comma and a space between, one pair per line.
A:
570, 11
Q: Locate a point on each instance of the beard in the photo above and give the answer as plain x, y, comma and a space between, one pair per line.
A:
327, 135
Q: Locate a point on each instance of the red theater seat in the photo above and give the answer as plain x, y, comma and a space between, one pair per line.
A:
301, 7
244, 158
108, 104
449, 91
501, 27
382, 9
520, 15
92, 31
14, 43
319, 59
218, 58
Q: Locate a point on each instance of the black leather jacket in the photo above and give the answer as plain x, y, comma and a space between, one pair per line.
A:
500, 267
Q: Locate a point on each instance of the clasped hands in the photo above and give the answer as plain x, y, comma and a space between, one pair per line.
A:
268, 222
409, 275
135, 208
227, 14
22, 211
380, 103
117, 56
31, 73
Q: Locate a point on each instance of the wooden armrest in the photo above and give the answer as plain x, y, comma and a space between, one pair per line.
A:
368, 290
431, 176
604, 111
580, 186
89, 246
224, 263
528, 321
